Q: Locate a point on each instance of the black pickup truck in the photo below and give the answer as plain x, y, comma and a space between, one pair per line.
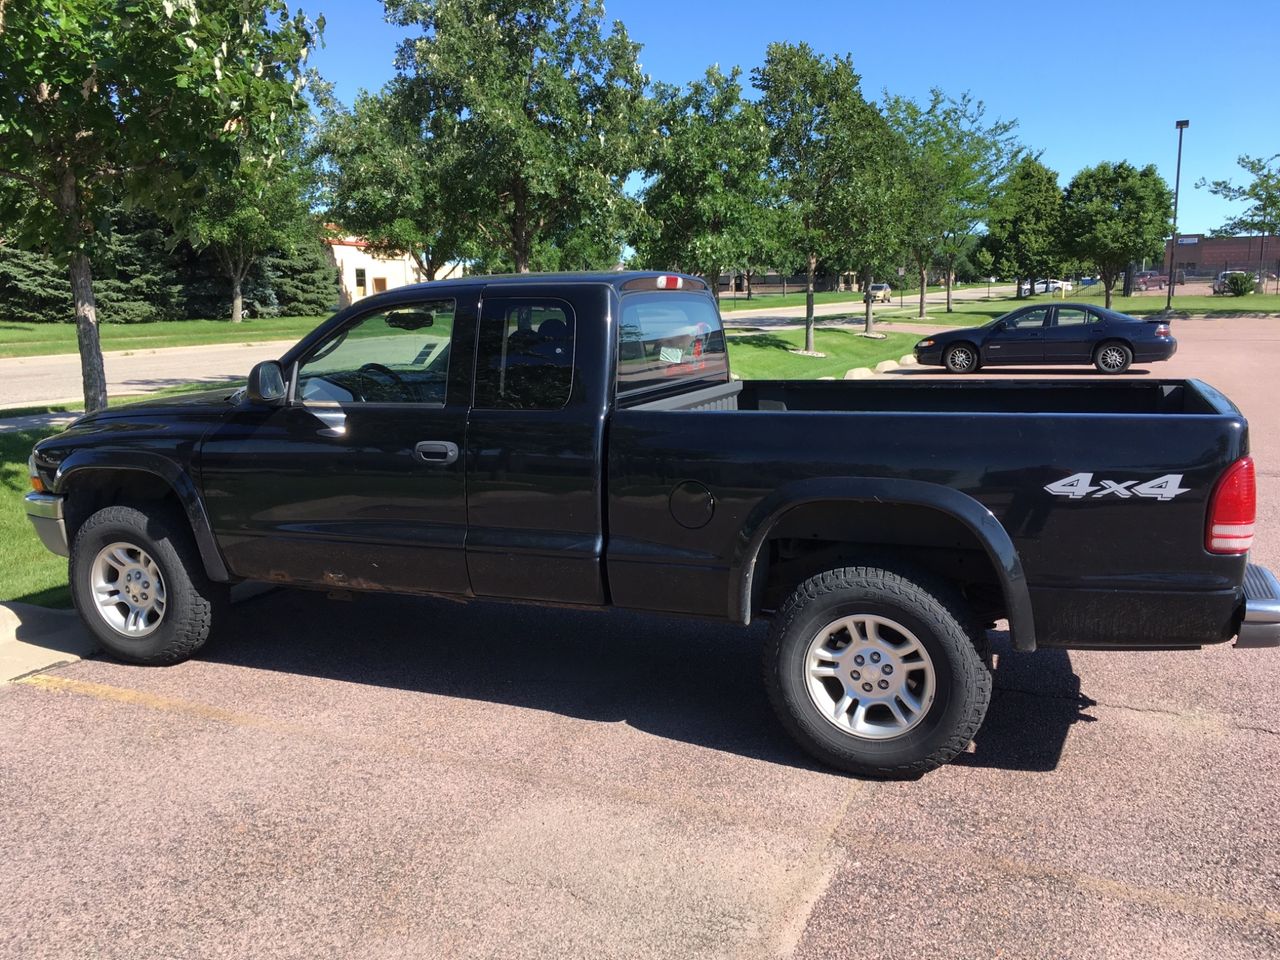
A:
579, 440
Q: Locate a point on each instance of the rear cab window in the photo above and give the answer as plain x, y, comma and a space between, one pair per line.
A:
668, 342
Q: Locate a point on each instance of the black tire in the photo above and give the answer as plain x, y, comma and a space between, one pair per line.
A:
1112, 357
192, 600
961, 358
935, 615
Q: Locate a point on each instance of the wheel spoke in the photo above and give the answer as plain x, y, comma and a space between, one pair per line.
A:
823, 670
843, 706
898, 715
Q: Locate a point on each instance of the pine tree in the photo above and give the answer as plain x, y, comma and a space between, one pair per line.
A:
33, 288
305, 282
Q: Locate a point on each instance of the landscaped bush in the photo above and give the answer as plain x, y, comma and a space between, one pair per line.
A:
1239, 284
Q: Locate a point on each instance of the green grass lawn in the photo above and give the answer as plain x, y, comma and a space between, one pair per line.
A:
767, 355
28, 572
41, 339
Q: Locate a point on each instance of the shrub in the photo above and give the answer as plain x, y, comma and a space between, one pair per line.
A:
1239, 284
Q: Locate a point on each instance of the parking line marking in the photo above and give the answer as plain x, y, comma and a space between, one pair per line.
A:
151, 701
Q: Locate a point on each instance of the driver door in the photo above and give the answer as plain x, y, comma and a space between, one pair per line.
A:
1021, 340
355, 482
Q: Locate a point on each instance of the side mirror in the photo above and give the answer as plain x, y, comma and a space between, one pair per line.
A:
266, 382
999, 325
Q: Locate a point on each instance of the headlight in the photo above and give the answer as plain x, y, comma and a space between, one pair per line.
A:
925, 343
36, 483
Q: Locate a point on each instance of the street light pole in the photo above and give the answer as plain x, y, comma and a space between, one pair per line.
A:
1173, 247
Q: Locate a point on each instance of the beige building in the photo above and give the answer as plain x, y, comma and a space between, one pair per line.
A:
362, 273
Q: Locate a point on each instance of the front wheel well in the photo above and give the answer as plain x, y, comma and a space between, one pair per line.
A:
87, 491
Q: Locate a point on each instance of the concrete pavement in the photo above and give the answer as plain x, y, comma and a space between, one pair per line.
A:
391, 778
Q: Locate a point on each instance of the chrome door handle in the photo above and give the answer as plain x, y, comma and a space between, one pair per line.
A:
440, 452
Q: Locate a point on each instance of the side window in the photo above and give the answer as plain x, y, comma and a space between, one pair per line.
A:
1029, 320
400, 355
524, 356
1075, 317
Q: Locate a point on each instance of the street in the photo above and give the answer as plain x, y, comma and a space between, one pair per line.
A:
386, 777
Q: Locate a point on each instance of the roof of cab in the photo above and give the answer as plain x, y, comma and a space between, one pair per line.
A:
614, 278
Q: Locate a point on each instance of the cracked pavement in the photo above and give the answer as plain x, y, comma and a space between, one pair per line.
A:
390, 778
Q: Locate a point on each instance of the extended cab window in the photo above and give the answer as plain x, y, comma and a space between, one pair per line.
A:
668, 338
400, 355
524, 355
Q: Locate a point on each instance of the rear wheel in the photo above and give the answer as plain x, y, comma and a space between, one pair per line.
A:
961, 358
139, 585
1113, 357
873, 672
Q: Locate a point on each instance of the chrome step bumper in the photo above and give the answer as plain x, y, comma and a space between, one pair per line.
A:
1261, 624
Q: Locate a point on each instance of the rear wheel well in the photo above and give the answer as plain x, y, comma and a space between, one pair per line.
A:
822, 536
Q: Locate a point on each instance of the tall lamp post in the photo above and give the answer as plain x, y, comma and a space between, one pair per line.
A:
1173, 247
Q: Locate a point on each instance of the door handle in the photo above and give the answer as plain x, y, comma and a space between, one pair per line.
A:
441, 452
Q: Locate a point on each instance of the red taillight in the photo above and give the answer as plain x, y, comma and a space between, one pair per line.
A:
1233, 510
1162, 330
670, 283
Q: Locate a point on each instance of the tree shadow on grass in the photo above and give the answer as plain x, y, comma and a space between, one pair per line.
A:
764, 341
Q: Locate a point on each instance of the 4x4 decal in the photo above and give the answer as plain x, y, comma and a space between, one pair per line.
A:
1081, 485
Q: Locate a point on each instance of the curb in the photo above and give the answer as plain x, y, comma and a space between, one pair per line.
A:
884, 366
34, 638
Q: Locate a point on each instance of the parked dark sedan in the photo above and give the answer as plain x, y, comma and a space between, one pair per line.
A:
1052, 334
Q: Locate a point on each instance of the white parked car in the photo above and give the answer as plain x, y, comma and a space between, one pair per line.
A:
1048, 286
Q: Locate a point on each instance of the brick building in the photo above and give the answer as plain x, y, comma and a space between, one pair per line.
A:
1199, 255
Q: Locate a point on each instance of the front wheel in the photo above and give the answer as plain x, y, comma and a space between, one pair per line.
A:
1113, 358
961, 358
873, 673
140, 587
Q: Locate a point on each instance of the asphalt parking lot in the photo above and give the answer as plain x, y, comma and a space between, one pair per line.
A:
389, 778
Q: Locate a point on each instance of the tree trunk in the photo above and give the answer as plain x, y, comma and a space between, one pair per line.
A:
747, 280
237, 300
924, 279
811, 268
949, 276
713, 281
520, 230
92, 373
869, 320
93, 376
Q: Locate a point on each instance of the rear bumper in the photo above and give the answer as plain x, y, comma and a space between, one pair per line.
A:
1261, 624
45, 513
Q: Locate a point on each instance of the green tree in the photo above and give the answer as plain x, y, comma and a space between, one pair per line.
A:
395, 181
543, 105
258, 207
104, 102
954, 162
305, 279
1261, 196
707, 173
818, 121
1114, 214
1025, 223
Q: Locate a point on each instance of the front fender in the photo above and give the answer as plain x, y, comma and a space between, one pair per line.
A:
86, 460
916, 493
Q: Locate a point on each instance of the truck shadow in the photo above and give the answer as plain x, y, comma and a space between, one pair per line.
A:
687, 680
1035, 700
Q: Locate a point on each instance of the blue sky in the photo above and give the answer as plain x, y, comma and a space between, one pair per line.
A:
1086, 81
